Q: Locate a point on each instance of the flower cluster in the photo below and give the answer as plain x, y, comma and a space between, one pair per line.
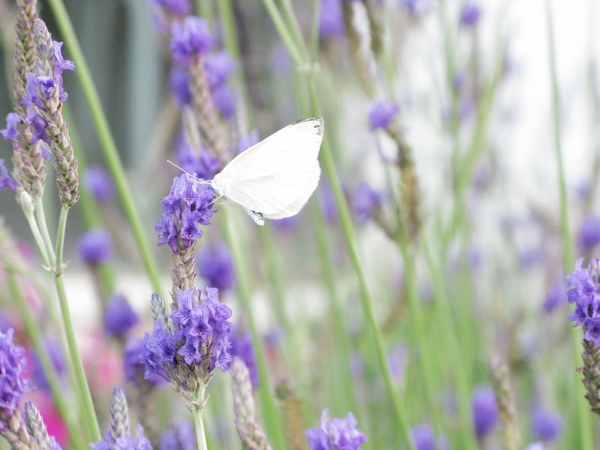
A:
186, 346
215, 265
382, 114
13, 365
119, 316
185, 208
485, 411
584, 291
335, 433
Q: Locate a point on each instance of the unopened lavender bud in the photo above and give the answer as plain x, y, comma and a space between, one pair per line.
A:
157, 308
37, 428
505, 399
26, 202
249, 430
119, 415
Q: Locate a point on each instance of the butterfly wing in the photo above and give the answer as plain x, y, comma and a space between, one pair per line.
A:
277, 176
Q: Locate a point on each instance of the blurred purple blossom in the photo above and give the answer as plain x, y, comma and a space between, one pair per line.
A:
219, 66
546, 425
190, 39
589, 234
555, 295
331, 20
11, 131
397, 358
99, 183
470, 14
204, 166
179, 436
423, 437
13, 365
95, 246
54, 352
335, 434
215, 265
241, 346
484, 411
382, 114
124, 442
365, 202
5, 180
119, 316
179, 82
416, 8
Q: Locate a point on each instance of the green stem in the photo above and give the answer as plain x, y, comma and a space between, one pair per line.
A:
84, 390
366, 302
582, 414
37, 237
33, 330
43, 226
107, 140
198, 422
283, 31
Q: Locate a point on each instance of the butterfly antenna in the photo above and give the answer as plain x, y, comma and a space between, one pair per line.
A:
197, 180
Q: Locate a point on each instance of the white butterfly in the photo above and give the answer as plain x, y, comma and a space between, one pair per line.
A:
275, 178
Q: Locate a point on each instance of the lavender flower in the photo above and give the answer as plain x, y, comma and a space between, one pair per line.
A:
336, 433
11, 131
186, 349
180, 436
589, 234
241, 347
470, 14
119, 316
484, 411
546, 425
118, 436
331, 20
555, 296
95, 247
583, 290
134, 369
216, 267
423, 437
382, 114
219, 66
190, 39
99, 183
13, 365
177, 7
365, 202
416, 8
54, 351
224, 100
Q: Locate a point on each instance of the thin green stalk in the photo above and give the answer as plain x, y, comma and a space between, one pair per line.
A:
283, 31
33, 330
366, 302
37, 237
108, 143
198, 421
43, 227
583, 417
269, 410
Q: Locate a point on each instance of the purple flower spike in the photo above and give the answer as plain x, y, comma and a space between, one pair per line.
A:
5, 180
190, 39
95, 247
219, 66
555, 296
216, 267
546, 425
382, 114
584, 291
13, 365
335, 434
589, 234
470, 14
485, 411
176, 7
99, 183
119, 317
